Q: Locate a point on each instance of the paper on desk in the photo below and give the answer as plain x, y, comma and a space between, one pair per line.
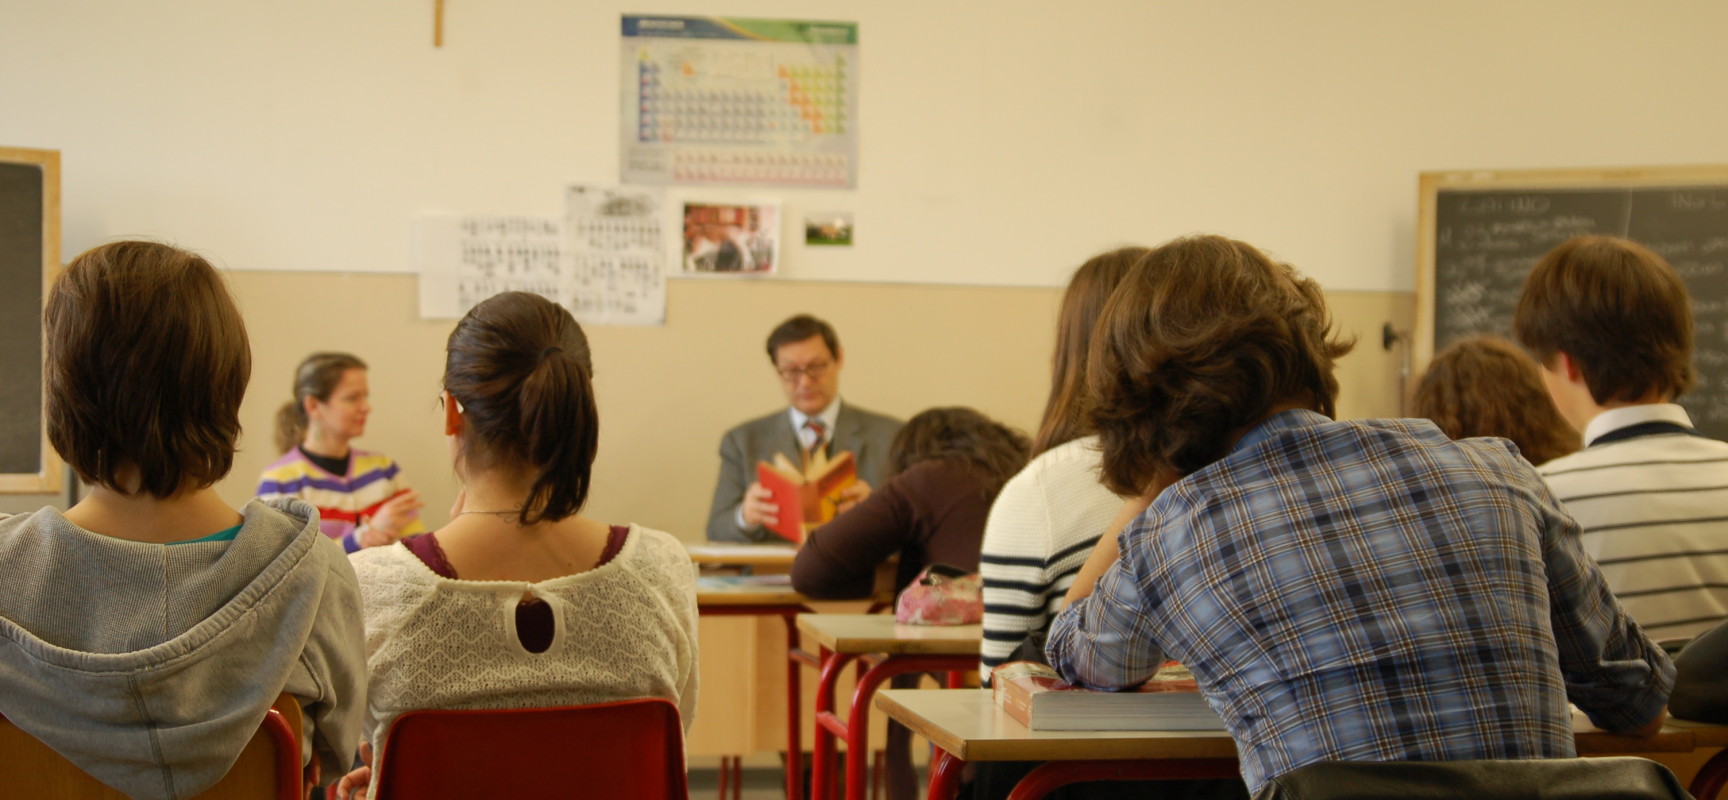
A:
741, 550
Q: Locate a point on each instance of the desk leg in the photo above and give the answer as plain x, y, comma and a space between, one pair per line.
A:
1052, 775
794, 709
858, 724
945, 776
1712, 778
822, 757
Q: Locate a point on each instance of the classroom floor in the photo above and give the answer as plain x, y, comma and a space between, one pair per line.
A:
763, 778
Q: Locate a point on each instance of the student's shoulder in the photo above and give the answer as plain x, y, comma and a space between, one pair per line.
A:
660, 552
1659, 453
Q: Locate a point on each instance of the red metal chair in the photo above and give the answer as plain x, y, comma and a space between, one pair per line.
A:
629, 748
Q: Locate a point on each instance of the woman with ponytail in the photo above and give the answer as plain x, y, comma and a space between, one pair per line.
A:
361, 498
520, 602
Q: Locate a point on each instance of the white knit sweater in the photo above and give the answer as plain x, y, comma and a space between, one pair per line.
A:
1041, 529
623, 630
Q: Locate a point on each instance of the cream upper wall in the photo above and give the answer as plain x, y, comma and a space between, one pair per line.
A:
1001, 141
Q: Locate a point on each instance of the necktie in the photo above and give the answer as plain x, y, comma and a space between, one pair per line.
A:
820, 431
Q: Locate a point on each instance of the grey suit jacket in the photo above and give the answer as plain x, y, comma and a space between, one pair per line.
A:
866, 434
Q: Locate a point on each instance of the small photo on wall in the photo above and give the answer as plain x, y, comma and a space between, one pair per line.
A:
723, 239
829, 228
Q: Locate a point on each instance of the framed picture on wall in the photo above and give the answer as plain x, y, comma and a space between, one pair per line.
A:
731, 239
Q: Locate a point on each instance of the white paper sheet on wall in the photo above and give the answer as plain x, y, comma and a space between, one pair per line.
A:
616, 242
464, 259
604, 260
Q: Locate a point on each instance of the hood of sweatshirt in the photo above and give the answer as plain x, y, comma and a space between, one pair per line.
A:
150, 666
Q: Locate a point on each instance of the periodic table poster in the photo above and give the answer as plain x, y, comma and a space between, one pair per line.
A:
720, 100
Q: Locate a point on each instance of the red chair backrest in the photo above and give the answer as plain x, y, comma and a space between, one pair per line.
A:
629, 748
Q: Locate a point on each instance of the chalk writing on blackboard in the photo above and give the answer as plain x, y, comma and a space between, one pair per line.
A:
1487, 239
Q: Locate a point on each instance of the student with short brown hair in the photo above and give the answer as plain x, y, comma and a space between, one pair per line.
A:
1611, 323
1343, 591
1486, 386
149, 628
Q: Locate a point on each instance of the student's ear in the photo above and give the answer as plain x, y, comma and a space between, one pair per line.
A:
452, 416
1569, 367
308, 405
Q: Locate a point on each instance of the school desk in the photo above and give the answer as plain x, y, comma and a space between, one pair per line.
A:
965, 725
890, 649
739, 709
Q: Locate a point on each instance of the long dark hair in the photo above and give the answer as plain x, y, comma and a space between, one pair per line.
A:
519, 366
994, 450
1064, 413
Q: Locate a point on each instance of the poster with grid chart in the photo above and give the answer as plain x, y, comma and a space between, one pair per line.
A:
751, 102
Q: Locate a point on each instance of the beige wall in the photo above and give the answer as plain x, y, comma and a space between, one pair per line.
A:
667, 393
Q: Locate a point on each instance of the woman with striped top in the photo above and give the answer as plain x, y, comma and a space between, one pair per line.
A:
361, 498
1046, 519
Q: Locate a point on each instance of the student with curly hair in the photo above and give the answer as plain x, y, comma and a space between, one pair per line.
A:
1486, 386
1342, 591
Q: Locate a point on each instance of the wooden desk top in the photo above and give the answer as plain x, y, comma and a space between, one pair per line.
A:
742, 554
967, 723
877, 633
733, 590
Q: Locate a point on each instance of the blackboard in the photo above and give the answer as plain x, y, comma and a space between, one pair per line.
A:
1481, 232
29, 257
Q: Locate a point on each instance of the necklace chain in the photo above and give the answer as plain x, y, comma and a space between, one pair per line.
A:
515, 512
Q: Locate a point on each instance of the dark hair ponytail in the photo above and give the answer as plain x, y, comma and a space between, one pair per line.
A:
520, 367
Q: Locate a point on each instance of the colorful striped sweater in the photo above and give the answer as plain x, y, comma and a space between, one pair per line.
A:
343, 501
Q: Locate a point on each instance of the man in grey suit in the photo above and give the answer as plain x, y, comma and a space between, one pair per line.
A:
806, 353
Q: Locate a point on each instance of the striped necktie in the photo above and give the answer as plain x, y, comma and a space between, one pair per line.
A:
818, 441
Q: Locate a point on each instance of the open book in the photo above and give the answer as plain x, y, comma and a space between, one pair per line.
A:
1034, 695
807, 497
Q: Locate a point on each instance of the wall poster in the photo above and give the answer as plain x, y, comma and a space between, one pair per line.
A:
758, 102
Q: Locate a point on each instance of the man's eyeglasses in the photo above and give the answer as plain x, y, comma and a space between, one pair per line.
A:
813, 372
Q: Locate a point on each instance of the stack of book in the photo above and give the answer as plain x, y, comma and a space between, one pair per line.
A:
1170, 701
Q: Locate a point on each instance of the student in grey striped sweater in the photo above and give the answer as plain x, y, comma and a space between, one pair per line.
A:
1611, 323
1047, 517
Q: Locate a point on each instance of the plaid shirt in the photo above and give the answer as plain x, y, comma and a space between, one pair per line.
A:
1368, 591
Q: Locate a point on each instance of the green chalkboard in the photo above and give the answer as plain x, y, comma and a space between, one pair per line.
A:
1481, 232
29, 256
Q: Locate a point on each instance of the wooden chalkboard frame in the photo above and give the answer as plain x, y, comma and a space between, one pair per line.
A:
46, 479
1433, 183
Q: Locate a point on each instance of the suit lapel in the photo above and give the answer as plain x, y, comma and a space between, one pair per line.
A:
848, 436
786, 439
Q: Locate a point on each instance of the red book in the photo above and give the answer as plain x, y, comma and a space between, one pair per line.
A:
809, 497
1171, 701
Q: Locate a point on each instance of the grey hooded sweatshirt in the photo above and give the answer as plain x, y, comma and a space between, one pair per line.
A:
150, 666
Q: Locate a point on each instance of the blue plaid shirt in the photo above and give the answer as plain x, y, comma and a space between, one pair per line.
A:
1368, 591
